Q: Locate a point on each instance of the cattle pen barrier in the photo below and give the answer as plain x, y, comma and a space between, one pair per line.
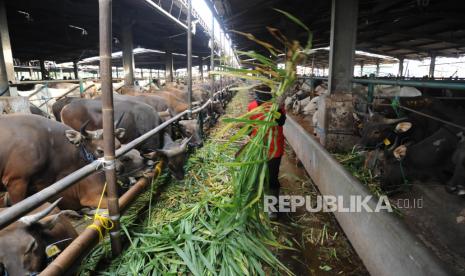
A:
30, 203
86, 240
374, 235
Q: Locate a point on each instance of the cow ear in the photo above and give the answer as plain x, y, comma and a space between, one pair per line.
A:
400, 152
74, 137
153, 155
119, 133
403, 127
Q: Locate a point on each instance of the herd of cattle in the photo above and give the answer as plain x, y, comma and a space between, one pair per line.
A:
37, 151
401, 146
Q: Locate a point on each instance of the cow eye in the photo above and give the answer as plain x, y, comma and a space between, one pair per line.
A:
100, 152
31, 247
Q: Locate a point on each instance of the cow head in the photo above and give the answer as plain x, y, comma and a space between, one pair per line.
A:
23, 244
175, 155
190, 128
217, 107
92, 140
376, 129
130, 165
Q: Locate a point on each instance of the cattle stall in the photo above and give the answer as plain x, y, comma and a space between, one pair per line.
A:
172, 37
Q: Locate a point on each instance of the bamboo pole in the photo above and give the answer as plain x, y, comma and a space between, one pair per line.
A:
108, 127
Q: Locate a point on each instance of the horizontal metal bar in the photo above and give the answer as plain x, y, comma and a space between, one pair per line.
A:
134, 143
23, 207
444, 84
414, 83
383, 242
167, 14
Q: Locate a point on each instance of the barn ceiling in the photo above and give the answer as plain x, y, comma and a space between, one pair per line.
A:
399, 28
46, 29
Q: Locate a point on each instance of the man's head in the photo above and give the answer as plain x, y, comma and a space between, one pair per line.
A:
262, 94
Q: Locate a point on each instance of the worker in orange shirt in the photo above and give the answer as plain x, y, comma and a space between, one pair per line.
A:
263, 96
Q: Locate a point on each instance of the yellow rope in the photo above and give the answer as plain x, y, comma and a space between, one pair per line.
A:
106, 224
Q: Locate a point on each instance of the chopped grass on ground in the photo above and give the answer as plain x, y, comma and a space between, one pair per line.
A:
184, 230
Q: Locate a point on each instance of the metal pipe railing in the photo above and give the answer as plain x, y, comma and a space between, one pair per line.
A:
23, 207
445, 84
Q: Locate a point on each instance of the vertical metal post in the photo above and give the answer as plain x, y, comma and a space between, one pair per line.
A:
401, 67
6, 44
201, 67
377, 67
432, 65
189, 54
127, 45
362, 63
313, 64
43, 71
75, 69
212, 58
4, 85
169, 67
105, 36
221, 59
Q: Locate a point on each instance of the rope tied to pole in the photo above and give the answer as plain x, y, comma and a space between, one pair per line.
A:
104, 224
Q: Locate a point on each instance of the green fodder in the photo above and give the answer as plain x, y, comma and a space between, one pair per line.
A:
185, 233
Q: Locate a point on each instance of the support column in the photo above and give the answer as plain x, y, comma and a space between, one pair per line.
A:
6, 44
362, 63
4, 85
105, 36
169, 67
401, 67
212, 59
377, 67
432, 65
335, 124
189, 55
43, 71
76, 69
127, 45
201, 67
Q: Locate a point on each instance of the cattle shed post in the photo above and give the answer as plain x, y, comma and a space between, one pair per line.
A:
189, 55
75, 69
43, 71
127, 45
105, 36
377, 67
212, 57
336, 119
432, 65
4, 85
168, 66
401, 67
201, 67
362, 63
6, 44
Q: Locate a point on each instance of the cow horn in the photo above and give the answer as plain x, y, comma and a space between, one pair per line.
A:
370, 112
164, 113
119, 120
83, 127
184, 142
394, 121
31, 219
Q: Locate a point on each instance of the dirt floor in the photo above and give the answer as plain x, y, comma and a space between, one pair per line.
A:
321, 246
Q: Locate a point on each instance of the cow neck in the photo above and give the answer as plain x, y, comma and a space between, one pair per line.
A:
85, 154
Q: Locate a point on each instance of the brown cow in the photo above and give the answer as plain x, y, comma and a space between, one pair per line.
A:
26, 244
36, 152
